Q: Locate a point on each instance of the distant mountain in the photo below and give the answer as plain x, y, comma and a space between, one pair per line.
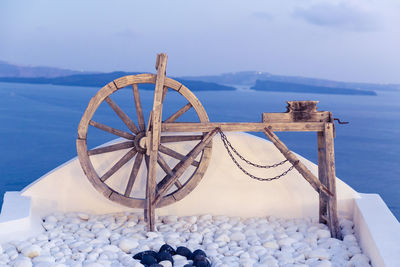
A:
302, 88
101, 79
250, 77
10, 70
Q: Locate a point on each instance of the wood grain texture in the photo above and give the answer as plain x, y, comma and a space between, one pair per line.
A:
128, 122
110, 148
323, 200
111, 130
242, 126
320, 116
333, 220
179, 113
154, 136
179, 138
139, 109
164, 166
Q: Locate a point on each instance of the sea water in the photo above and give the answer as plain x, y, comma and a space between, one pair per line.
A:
38, 129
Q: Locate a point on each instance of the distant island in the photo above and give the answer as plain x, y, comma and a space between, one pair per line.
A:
101, 79
273, 86
260, 81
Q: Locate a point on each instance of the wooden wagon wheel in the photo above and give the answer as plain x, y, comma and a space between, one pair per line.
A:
135, 140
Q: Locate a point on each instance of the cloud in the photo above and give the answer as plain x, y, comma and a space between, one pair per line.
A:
343, 16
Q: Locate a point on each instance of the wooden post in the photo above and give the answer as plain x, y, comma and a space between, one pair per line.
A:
154, 135
323, 200
329, 170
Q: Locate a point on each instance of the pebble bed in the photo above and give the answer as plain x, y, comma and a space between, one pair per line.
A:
79, 239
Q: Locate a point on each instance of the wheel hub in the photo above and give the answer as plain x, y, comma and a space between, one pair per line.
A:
140, 142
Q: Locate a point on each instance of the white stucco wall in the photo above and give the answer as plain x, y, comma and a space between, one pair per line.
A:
224, 189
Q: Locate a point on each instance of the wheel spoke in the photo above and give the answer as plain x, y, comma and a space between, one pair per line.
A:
139, 110
128, 122
179, 113
112, 130
110, 148
174, 154
163, 164
180, 138
134, 172
128, 156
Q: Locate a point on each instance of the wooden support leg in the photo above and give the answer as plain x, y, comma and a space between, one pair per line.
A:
323, 200
333, 221
150, 191
300, 167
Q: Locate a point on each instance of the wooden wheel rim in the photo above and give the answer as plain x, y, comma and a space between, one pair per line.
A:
87, 165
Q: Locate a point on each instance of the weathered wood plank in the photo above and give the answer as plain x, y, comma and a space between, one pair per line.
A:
242, 126
320, 116
179, 113
128, 122
133, 175
139, 109
183, 165
112, 130
179, 138
168, 151
110, 148
323, 208
299, 166
331, 177
121, 162
155, 135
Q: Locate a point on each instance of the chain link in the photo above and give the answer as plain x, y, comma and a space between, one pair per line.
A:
229, 147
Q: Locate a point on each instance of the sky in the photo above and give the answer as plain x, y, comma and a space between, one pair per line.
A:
346, 40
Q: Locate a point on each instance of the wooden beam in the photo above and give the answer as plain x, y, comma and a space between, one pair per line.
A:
133, 175
300, 167
161, 66
333, 221
323, 200
180, 138
319, 116
242, 126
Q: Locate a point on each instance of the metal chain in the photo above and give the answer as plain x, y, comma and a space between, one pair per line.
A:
226, 141
228, 146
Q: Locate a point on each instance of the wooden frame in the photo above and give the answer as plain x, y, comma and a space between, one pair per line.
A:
147, 142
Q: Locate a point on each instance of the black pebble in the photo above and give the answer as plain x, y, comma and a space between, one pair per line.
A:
198, 252
188, 265
185, 252
200, 260
164, 256
168, 249
148, 260
156, 265
140, 255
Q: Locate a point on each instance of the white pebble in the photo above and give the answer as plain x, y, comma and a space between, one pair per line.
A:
165, 263
31, 251
127, 244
